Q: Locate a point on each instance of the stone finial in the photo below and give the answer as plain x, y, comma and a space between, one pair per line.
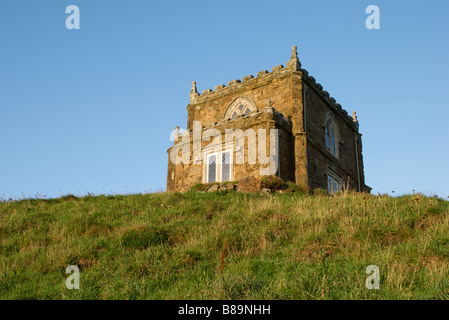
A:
193, 87
268, 108
294, 61
193, 92
294, 53
354, 117
176, 134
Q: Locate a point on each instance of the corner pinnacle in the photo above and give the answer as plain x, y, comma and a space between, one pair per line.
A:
193, 92
294, 61
354, 117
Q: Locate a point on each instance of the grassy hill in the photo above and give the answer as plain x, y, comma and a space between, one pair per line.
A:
225, 245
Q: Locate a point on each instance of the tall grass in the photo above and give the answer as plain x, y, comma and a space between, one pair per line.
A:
225, 245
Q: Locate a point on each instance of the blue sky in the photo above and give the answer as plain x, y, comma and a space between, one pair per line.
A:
91, 110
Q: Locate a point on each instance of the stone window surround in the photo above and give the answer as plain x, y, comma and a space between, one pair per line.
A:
207, 152
334, 178
207, 166
330, 118
235, 104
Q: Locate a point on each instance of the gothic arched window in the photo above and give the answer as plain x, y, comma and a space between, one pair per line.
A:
241, 110
241, 106
331, 136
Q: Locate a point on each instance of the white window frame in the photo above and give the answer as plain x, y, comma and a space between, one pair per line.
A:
230, 164
218, 165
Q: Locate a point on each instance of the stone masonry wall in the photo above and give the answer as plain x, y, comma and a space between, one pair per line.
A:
318, 105
283, 87
276, 86
182, 177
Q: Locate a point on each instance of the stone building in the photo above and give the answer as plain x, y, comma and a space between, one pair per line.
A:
317, 143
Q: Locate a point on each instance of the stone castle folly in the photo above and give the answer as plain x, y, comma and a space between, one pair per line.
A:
318, 143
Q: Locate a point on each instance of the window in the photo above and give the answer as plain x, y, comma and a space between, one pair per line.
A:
211, 168
332, 141
226, 166
333, 183
336, 186
328, 139
331, 134
241, 110
219, 166
240, 106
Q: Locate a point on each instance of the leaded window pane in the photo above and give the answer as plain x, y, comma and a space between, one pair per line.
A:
333, 141
327, 138
226, 166
212, 169
335, 186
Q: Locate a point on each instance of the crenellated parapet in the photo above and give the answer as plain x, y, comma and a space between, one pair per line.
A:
311, 83
293, 65
234, 85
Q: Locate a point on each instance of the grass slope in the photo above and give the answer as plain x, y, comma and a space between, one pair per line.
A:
225, 245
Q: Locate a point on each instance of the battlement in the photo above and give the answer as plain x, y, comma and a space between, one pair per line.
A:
264, 76
234, 85
311, 82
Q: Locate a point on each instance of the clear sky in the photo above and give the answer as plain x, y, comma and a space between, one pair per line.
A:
91, 110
